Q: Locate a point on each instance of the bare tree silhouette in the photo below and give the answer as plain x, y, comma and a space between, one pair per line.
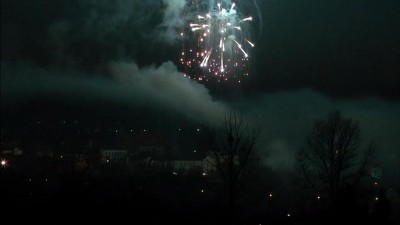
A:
332, 162
233, 152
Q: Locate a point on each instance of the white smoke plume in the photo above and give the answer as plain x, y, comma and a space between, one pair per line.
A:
172, 20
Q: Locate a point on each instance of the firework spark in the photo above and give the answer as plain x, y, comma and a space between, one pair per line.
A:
221, 44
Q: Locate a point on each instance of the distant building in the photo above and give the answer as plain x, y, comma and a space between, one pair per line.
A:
152, 150
181, 162
44, 153
187, 164
7, 152
15, 151
209, 162
114, 155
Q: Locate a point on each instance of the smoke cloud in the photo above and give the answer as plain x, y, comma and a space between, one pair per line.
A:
163, 88
171, 89
172, 20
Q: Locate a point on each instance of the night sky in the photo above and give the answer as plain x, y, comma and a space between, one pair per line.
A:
118, 59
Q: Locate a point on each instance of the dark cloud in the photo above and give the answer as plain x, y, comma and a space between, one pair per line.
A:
87, 34
340, 48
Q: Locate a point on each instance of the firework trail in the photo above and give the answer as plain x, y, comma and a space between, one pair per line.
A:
216, 40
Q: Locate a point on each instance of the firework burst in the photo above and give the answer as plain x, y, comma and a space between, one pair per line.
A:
216, 41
